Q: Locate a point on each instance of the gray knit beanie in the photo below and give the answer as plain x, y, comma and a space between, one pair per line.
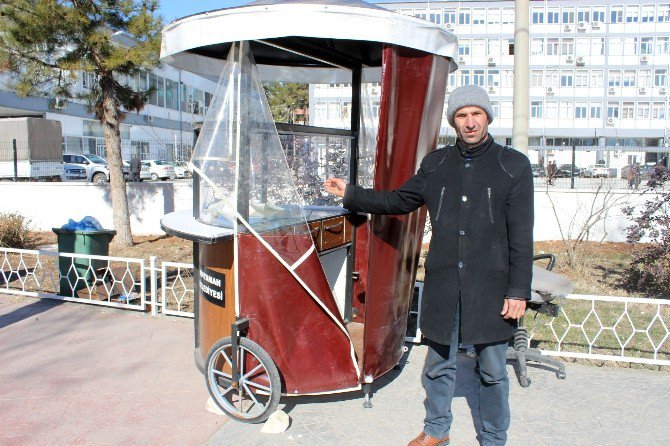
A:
468, 96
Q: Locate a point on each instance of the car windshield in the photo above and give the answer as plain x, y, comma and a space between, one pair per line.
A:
162, 163
95, 159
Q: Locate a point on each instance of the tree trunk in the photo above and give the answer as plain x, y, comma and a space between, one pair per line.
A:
111, 127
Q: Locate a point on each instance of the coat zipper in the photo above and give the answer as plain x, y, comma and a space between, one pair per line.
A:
439, 206
490, 205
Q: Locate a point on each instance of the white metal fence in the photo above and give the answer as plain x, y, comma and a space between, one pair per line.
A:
101, 280
604, 328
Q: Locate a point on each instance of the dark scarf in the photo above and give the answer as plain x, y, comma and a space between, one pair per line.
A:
476, 150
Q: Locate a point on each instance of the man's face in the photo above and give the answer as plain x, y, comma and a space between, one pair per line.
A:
471, 124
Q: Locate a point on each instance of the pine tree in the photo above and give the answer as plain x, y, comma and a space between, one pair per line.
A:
47, 44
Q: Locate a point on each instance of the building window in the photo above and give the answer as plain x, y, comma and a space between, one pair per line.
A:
632, 13
597, 78
597, 46
479, 47
536, 78
552, 46
88, 80
551, 111
507, 78
568, 15
582, 78
583, 14
660, 78
646, 45
596, 111
630, 46
566, 78
551, 78
536, 46
613, 110
171, 94
449, 16
465, 77
629, 78
375, 109
628, 110
648, 13
643, 110
321, 111
598, 13
496, 108
335, 111
658, 110
508, 16
464, 48
616, 46
493, 46
493, 78
435, 17
552, 15
538, 15
663, 12
616, 14
565, 110
583, 46
535, 109
493, 15
464, 16
644, 78
478, 16
478, 77
661, 46
580, 110
614, 78
567, 46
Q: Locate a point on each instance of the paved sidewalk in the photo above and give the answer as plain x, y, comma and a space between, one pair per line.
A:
78, 374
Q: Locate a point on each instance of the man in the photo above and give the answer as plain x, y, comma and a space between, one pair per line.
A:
135, 168
478, 270
551, 172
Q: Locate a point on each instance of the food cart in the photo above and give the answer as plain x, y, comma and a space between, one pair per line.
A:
294, 294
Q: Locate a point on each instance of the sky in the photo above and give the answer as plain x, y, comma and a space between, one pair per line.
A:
174, 9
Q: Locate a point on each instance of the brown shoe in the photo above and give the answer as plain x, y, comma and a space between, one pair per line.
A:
426, 440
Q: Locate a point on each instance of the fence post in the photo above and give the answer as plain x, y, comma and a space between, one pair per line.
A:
16, 161
153, 278
572, 168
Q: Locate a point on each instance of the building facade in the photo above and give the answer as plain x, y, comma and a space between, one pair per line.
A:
598, 74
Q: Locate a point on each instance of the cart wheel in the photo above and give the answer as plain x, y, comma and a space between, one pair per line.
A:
560, 375
524, 381
257, 393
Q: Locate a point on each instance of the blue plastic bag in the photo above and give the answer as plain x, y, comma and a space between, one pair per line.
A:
87, 223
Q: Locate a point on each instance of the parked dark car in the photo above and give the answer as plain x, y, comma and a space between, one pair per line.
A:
564, 171
538, 171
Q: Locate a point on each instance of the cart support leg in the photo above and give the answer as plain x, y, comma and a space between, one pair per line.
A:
367, 388
237, 329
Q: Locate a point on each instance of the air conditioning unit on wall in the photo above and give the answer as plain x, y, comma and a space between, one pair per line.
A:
581, 26
596, 25
567, 28
461, 60
580, 61
642, 90
550, 91
492, 62
449, 26
610, 121
644, 59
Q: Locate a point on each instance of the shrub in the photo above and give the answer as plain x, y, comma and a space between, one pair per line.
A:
649, 271
14, 231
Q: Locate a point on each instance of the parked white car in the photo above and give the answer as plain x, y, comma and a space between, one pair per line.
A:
159, 169
96, 168
73, 172
181, 169
145, 173
595, 171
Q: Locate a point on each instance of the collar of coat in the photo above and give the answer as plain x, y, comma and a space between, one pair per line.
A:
476, 150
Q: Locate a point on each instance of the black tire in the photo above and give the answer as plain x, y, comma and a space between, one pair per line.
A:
524, 381
238, 403
561, 375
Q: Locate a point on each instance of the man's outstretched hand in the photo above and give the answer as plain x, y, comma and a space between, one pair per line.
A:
335, 186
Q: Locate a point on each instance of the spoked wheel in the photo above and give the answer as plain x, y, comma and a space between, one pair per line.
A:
256, 394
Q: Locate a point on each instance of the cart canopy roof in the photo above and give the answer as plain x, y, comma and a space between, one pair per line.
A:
300, 40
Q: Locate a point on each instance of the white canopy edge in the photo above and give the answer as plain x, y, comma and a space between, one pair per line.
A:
301, 20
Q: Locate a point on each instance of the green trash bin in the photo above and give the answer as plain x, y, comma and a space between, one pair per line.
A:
75, 273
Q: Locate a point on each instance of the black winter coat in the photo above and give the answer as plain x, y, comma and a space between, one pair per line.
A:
481, 250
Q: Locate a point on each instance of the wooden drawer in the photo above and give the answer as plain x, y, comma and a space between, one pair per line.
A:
315, 232
333, 233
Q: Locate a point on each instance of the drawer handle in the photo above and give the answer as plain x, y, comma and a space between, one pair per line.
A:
336, 228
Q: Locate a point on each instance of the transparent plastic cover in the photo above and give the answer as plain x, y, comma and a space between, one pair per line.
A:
243, 169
